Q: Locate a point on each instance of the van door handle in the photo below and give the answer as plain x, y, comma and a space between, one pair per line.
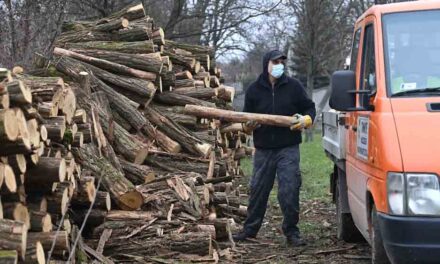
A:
354, 128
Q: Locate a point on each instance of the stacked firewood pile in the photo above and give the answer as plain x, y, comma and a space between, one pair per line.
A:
110, 123
39, 178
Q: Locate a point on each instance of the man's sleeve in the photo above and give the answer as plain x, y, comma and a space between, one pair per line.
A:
306, 105
248, 102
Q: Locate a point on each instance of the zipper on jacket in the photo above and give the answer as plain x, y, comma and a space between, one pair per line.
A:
273, 107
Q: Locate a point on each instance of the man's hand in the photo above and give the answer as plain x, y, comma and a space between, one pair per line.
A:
250, 126
301, 122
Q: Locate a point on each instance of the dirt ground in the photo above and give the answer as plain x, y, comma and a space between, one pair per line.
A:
318, 228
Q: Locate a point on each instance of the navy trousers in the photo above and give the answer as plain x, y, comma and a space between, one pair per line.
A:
283, 164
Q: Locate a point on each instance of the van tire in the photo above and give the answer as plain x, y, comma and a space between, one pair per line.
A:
378, 253
346, 229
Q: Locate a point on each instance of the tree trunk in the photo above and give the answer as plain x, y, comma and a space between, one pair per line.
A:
46, 239
178, 133
171, 98
144, 62
136, 47
137, 174
13, 236
40, 222
107, 65
226, 115
121, 190
40, 178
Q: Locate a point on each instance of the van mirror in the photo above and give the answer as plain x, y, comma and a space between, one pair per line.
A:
343, 95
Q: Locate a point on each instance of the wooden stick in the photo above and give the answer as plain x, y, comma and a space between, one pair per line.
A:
226, 115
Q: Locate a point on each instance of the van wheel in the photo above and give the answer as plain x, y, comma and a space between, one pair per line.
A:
347, 230
378, 253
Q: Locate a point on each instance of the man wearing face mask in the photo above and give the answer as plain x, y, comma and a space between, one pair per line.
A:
277, 148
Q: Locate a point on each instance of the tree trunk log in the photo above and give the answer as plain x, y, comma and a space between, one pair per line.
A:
8, 256
265, 119
35, 254
170, 98
40, 178
17, 212
178, 133
13, 236
19, 93
142, 62
47, 89
46, 239
137, 174
121, 190
107, 65
136, 47
40, 222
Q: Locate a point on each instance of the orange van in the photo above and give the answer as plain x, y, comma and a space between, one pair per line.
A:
383, 134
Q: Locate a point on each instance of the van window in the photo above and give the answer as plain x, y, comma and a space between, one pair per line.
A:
368, 69
412, 52
355, 50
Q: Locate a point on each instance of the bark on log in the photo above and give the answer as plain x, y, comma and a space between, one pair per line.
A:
35, 254
46, 238
112, 25
17, 212
137, 174
226, 115
8, 256
118, 215
58, 200
47, 89
86, 130
19, 93
144, 62
136, 47
170, 98
37, 203
134, 34
40, 178
106, 65
40, 222
13, 236
223, 198
178, 133
121, 190
130, 13
83, 36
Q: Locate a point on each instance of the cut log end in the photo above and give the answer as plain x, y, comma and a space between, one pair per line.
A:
130, 200
8, 125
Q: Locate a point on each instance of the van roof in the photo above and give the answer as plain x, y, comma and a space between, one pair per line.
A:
378, 10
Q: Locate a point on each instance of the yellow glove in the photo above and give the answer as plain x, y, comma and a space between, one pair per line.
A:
301, 122
249, 126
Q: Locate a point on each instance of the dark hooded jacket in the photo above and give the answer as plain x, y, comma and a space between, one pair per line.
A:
287, 97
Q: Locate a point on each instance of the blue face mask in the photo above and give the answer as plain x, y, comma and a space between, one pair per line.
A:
277, 70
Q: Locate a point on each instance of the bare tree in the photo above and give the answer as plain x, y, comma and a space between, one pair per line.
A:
28, 26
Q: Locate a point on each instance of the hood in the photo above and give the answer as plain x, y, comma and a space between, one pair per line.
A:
264, 76
418, 131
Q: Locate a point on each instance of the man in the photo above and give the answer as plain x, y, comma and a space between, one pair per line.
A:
277, 148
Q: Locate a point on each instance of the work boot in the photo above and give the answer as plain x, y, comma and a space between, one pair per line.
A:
242, 236
295, 241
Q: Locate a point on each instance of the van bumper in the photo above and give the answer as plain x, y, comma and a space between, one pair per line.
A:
411, 239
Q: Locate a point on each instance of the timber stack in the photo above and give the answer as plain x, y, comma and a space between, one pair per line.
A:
113, 132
